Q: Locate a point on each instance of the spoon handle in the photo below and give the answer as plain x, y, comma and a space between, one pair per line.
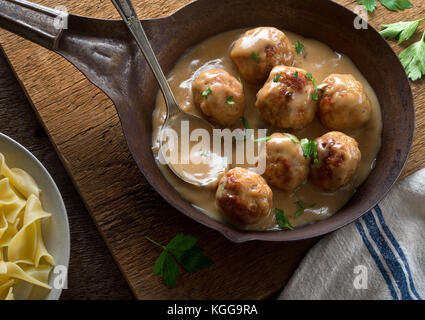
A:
129, 15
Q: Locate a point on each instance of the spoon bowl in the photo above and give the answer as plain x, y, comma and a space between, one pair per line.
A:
189, 172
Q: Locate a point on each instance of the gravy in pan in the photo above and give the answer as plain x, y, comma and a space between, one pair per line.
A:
320, 61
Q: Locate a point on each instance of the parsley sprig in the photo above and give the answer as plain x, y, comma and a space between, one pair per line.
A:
180, 251
393, 5
402, 30
413, 59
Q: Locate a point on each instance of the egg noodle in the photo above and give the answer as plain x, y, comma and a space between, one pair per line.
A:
23, 255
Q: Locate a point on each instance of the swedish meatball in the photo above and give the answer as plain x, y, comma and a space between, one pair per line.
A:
259, 50
286, 99
244, 196
287, 167
339, 157
344, 104
219, 96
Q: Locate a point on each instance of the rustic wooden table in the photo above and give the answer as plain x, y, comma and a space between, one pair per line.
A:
93, 273
81, 120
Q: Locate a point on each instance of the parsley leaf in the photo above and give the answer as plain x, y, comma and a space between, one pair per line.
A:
229, 100
413, 59
282, 220
206, 93
276, 78
299, 47
393, 5
321, 86
246, 135
181, 250
293, 138
315, 94
370, 5
245, 123
255, 57
402, 30
302, 206
262, 139
310, 149
296, 74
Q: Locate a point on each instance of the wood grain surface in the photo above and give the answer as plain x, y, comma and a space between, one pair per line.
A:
92, 272
84, 128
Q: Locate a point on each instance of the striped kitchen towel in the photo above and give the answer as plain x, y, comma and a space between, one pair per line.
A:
380, 256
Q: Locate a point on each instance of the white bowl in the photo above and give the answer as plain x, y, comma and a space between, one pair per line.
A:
55, 229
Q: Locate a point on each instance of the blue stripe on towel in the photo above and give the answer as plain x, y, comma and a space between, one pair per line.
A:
386, 252
398, 249
376, 258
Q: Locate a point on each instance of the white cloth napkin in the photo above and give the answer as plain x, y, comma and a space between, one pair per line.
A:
380, 256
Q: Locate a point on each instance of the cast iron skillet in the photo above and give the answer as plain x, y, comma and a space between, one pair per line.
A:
104, 52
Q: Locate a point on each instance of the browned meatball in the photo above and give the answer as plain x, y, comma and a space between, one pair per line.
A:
287, 167
244, 196
259, 50
286, 99
339, 157
220, 96
344, 103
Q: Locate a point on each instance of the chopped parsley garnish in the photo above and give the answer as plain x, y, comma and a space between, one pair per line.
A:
180, 251
321, 86
299, 47
293, 138
245, 123
302, 206
229, 100
262, 139
296, 74
413, 60
310, 149
276, 78
282, 220
206, 93
246, 126
255, 57
402, 30
393, 5
315, 94
239, 79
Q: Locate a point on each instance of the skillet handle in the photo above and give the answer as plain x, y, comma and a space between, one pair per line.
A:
34, 22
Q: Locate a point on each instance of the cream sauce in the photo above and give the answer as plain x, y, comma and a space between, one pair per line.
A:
320, 61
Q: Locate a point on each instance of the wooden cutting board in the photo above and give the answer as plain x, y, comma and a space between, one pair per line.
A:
84, 128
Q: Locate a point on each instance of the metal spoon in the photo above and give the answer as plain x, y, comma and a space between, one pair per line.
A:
174, 113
